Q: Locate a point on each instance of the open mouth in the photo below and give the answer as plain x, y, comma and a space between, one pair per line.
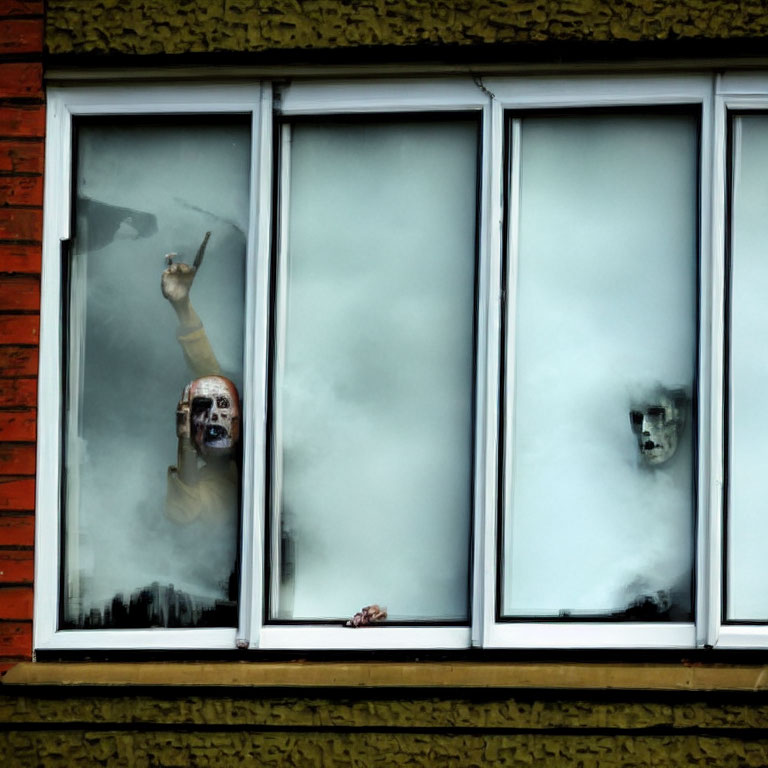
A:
214, 433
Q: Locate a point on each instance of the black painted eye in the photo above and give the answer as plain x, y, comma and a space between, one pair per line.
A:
222, 402
636, 419
656, 411
201, 405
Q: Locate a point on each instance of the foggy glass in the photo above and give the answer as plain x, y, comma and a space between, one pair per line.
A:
746, 596
374, 370
143, 190
602, 327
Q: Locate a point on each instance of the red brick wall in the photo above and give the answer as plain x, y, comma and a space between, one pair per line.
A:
22, 127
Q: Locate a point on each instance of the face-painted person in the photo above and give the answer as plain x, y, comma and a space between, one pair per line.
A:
658, 426
204, 483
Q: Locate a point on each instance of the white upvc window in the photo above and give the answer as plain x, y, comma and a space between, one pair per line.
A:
739, 618
594, 540
491, 364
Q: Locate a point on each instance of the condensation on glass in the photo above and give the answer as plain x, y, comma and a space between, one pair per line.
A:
142, 549
598, 512
746, 596
373, 375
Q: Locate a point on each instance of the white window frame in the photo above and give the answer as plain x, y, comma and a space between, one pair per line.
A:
743, 91
357, 97
585, 93
64, 106
490, 97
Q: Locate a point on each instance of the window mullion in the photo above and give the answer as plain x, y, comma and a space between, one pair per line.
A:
487, 382
273, 552
256, 356
711, 373
505, 338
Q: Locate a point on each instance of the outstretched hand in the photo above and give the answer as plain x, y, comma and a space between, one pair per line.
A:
176, 280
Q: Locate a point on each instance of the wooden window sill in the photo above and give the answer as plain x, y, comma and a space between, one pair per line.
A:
578, 676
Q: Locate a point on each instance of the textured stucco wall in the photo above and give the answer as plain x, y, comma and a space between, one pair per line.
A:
67, 727
160, 748
368, 729
202, 26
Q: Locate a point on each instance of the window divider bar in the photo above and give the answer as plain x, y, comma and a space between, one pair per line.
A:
713, 290
256, 331
506, 308
273, 552
488, 335
510, 369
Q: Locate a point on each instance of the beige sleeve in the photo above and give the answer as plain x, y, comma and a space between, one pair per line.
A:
198, 351
213, 497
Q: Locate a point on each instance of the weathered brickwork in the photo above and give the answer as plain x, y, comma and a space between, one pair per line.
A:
22, 122
203, 26
360, 730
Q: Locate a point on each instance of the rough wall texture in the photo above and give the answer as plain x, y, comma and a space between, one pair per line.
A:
204, 26
22, 124
362, 729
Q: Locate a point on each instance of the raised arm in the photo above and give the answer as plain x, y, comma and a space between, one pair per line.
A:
176, 283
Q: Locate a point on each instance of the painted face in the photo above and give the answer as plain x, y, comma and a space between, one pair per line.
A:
658, 427
214, 416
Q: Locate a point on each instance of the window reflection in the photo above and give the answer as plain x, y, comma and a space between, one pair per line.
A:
598, 509
374, 370
747, 574
146, 545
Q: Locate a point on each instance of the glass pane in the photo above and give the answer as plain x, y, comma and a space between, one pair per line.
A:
151, 519
374, 370
598, 515
747, 524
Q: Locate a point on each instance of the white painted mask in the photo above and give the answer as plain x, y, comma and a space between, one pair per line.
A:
658, 426
214, 409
